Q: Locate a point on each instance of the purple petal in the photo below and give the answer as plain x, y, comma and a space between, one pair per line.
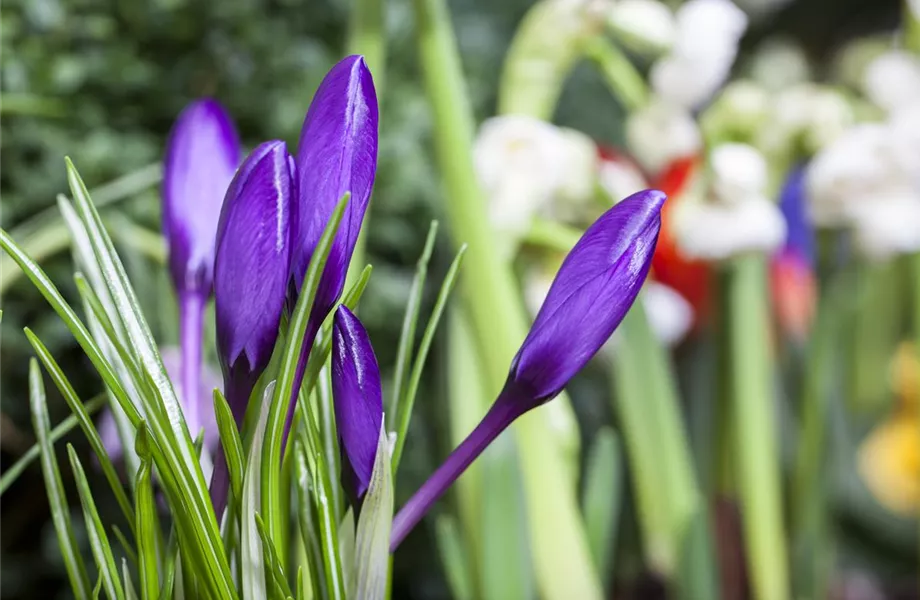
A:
337, 153
357, 398
800, 239
202, 154
595, 287
253, 261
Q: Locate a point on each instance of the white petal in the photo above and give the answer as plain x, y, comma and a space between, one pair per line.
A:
660, 133
716, 231
739, 171
669, 313
892, 81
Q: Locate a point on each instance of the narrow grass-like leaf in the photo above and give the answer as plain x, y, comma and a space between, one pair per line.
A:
252, 557
271, 502
97, 589
231, 443
271, 560
454, 558
98, 540
372, 536
601, 502
130, 594
329, 439
130, 554
10, 476
408, 401
347, 547
86, 424
147, 529
170, 564
187, 489
325, 513
60, 513
410, 320
307, 520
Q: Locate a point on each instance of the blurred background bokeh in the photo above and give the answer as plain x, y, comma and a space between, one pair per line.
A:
101, 81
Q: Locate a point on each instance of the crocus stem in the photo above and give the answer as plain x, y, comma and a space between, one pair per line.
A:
755, 434
496, 420
191, 313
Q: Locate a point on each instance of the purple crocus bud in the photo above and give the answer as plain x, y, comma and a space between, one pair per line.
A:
202, 154
358, 401
337, 154
251, 274
594, 288
792, 278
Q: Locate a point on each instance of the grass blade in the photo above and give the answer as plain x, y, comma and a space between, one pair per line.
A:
10, 476
60, 513
410, 320
276, 519
372, 536
253, 567
404, 407
148, 527
232, 445
86, 424
130, 594
271, 560
453, 557
307, 519
601, 502
98, 540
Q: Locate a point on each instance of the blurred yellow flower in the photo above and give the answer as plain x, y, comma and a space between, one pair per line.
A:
889, 459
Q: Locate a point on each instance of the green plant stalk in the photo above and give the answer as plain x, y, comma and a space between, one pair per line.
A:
672, 509
757, 456
622, 78
562, 561
912, 26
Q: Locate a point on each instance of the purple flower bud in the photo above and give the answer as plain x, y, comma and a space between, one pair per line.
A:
252, 268
202, 154
358, 401
594, 288
337, 154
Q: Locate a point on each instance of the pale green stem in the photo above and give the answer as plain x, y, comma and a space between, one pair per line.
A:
755, 431
562, 561
621, 76
912, 25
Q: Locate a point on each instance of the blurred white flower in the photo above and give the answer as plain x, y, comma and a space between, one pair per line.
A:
739, 172
643, 25
888, 224
808, 115
779, 64
892, 80
717, 230
660, 133
704, 49
579, 169
520, 163
669, 313
620, 178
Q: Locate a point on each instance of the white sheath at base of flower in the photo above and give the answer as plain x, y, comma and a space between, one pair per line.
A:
718, 230
892, 80
660, 133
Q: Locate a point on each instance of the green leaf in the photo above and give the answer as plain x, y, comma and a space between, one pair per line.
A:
10, 476
252, 565
130, 594
307, 519
404, 408
60, 513
230, 442
98, 540
407, 333
147, 528
372, 537
453, 556
271, 561
130, 554
86, 424
186, 488
170, 565
603, 495
271, 507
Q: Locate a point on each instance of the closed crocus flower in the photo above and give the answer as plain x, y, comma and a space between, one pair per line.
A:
337, 154
251, 275
358, 401
202, 154
594, 288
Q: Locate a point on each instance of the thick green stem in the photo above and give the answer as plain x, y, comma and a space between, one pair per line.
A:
562, 561
755, 431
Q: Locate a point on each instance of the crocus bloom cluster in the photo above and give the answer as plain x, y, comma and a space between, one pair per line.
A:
202, 154
358, 401
594, 288
274, 215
